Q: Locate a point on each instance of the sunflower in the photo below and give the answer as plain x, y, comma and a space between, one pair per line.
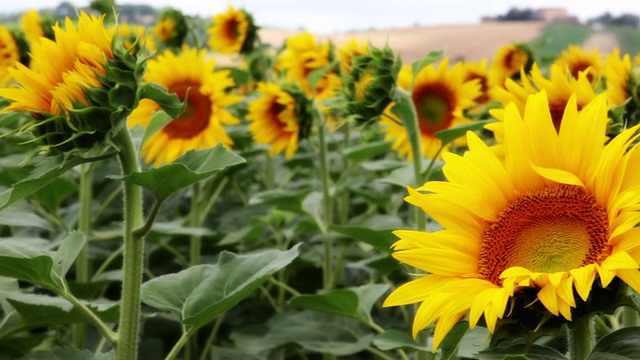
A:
557, 213
478, 70
9, 55
61, 70
34, 26
577, 60
171, 28
559, 88
508, 63
617, 72
279, 118
440, 95
192, 77
232, 32
303, 55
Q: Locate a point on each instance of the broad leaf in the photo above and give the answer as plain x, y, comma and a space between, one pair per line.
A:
22, 215
27, 264
68, 252
43, 310
313, 331
380, 239
58, 353
201, 293
368, 295
158, 120
448, 135
188, 169
367, 151
340, 302
396, 339
449, 345
170, 103
620, 344
313, 205
521, 351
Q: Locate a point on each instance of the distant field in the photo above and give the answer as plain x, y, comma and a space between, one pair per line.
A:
628, 38
557, 37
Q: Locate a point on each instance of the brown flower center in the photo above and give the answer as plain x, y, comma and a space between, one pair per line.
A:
435, 104
231, 29
550, 230
196, 116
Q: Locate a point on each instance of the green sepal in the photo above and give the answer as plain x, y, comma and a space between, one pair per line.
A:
170, 103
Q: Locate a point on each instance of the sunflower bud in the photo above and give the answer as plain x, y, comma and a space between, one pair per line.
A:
370, 83
83, 96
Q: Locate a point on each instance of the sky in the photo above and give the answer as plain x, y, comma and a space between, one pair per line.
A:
338, 16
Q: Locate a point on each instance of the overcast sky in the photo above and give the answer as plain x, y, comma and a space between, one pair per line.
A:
331, 16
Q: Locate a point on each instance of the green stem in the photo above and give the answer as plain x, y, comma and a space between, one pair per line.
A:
133, 255
173, 354
195, 245
269, 172
84, 225
212, 336
327, 273
581, 337
106, 332
151, 218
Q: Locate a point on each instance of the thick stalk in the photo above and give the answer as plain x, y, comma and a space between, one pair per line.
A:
327, 270
194, 220
133, 255
84, 225
269, 172
581, 337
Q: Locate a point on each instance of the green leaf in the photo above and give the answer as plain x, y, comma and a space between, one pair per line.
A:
313, 331
21, 215
282, 199
396, 339
312, 204
430, 58
367, 151
170, 103
201, 293
380, 239
340, 302
188, 169
368, 295
449, 345
44, 173
158, 120
620, 344
27, 264
55, 193
448, 135
58, 353
521, 351
43, 310
68, 252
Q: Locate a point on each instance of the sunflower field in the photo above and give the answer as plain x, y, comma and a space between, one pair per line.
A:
311, 201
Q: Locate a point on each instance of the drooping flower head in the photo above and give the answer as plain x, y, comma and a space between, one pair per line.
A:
232, 31
194, 80
554, 219
370, 83
559, 87
34, 26
280, 117
440, 96
70, 86
508, 63
577, 60
171, 28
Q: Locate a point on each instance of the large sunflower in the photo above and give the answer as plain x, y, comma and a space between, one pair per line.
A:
276, 120
189, 75
558, 212
440, 96
63, 69
232, 31
576, 60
